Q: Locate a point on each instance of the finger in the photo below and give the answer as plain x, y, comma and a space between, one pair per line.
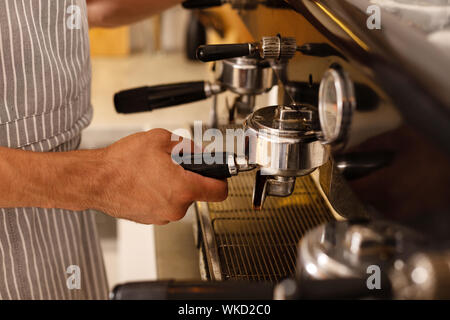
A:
168, 140
161, 223
206, 189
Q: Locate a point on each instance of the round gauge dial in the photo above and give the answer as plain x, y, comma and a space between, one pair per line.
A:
336, 103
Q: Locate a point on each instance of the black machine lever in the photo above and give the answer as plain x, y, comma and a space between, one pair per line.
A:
202, 4
157, 97
216, 52
278, 48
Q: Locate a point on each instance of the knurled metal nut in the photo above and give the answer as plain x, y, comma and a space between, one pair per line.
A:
278, 48
288, 48
270, 47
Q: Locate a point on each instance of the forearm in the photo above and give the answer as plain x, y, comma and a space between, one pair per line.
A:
48, 180
113, 13
134, 178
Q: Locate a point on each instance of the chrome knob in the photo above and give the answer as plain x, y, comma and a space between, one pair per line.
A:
278, 48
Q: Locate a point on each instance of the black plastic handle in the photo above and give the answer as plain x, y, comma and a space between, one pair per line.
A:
195, 290
201, 4
307, 289
223, 51
199, 163
162, 96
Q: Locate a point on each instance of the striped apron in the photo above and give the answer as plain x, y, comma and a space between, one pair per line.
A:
44, 105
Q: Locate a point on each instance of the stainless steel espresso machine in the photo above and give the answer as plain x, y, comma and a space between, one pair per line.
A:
345, 178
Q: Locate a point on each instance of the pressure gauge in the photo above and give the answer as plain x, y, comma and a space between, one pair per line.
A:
336, 105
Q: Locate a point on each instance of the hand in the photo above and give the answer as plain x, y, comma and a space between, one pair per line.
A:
139, 181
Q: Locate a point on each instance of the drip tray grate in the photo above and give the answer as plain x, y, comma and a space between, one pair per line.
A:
242, 244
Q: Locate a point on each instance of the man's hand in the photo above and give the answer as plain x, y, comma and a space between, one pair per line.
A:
114, 13
133, 179
139, 181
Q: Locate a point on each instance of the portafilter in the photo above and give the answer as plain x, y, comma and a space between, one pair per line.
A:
281, 143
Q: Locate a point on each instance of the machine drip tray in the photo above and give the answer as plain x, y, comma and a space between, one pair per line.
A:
241, 244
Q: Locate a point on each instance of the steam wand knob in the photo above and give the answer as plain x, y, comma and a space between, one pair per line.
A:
277, 48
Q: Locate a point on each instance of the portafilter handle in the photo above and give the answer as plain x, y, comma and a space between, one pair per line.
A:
150, 98
202, 4
278, 48
215, 52
289, 289
217, 165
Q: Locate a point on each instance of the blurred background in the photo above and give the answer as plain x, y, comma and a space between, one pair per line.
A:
158, 50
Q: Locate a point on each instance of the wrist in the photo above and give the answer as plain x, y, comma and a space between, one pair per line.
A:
71, 179
86, 171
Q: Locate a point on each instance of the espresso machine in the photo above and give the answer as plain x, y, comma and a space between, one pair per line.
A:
247, 70
346, 173
282, 145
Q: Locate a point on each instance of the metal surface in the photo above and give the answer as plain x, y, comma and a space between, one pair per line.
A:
283, 141
337, 87
212, 89
403, 64
346, 249
256, 73
277, 48
242, 244
425, 275
284, 145
402, 95
245, 76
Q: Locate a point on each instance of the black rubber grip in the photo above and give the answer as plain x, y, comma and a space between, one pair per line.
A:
200, 163
222, 51
162, 96
201, 4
